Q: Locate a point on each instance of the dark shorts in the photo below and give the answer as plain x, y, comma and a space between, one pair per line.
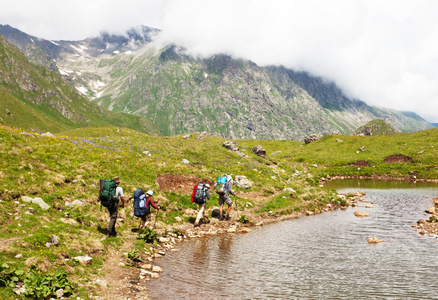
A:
225, 199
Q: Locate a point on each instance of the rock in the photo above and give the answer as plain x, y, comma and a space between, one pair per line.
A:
41, 203
26, 199
83, 260
77, 203
311, 138
102, 283
374, 240
309, 213
362, 148
69, 221
245, 230
431, 210
230, 146
19, 256
146, 267
59, 293
185, 161
155, 275
52, 242
178, 219
164, 240
242, 182
339, 141
289, 190
187, 136
259, 151
202, 136
157, 269
369, 206
361, 214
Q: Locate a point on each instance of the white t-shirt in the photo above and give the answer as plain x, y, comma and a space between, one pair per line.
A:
119, 192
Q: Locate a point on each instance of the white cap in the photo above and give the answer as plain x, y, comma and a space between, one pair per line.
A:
150, 193
207, 185
229, 177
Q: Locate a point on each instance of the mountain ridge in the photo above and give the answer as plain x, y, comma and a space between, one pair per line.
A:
232, 98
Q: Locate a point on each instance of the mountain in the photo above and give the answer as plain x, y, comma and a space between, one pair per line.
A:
232, 98
35, 98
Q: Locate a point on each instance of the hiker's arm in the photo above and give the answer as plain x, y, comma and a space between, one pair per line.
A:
153, 205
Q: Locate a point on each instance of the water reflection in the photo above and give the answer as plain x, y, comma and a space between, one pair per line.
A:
320, 257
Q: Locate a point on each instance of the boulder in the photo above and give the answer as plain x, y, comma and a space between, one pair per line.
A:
259, 151
311, 138
83, 260
361, 214
202, 136
242, 182
230, 146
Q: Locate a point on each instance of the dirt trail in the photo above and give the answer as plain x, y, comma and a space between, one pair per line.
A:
123, 281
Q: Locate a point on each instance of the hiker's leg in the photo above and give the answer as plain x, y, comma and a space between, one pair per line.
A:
229, 203
148, 219
221, 206
143, 221
113, 218
200, 213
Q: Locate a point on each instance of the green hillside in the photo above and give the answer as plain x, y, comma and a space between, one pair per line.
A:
67, 167
34, 98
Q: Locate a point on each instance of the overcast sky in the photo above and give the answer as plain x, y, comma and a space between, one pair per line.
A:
384, 52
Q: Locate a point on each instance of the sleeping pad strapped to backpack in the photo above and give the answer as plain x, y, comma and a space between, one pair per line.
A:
107, 192
198, 195
141, 205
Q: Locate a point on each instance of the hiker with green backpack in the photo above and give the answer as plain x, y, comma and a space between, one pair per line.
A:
109, 195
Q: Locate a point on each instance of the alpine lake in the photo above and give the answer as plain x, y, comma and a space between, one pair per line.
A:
325, 256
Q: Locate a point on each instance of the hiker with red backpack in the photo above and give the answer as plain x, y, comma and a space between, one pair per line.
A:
201, 201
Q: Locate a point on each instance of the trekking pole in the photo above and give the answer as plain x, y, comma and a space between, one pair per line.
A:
156, 216
237, 211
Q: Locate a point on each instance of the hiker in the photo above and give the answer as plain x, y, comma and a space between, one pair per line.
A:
201, 206
113, 209
224, 198
146, 218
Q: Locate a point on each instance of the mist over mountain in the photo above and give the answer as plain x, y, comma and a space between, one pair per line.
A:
232, 98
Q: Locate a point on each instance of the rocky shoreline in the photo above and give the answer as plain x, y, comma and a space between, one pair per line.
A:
173, 235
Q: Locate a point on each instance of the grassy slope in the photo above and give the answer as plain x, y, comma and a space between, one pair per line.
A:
68, 167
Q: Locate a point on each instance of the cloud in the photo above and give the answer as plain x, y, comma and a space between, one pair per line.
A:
77, 20
382, 52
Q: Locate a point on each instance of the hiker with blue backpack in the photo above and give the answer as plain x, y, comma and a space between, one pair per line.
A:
223, 188
142, 206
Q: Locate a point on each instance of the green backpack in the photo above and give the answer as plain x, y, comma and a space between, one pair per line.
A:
107, 192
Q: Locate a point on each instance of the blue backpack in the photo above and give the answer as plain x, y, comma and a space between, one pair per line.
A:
141, 205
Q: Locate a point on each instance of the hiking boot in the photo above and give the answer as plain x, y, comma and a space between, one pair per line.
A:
196, 225
227, 217
206, 220
221, 217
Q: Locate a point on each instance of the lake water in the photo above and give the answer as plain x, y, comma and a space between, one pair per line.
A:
320, 257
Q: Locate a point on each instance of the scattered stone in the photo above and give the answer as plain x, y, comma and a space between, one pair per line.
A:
59, 293
185, 161
69, 221
102, 283
431, 210
311, 138
259, 151
146, 267
339, 141
230, 146
48, 134
83, 260
54, 241
361, 214
362, 148
77, 203
242, 182
245, 230
202, 136
374, 240
369, 206
157, 269
187, 136
19, 256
